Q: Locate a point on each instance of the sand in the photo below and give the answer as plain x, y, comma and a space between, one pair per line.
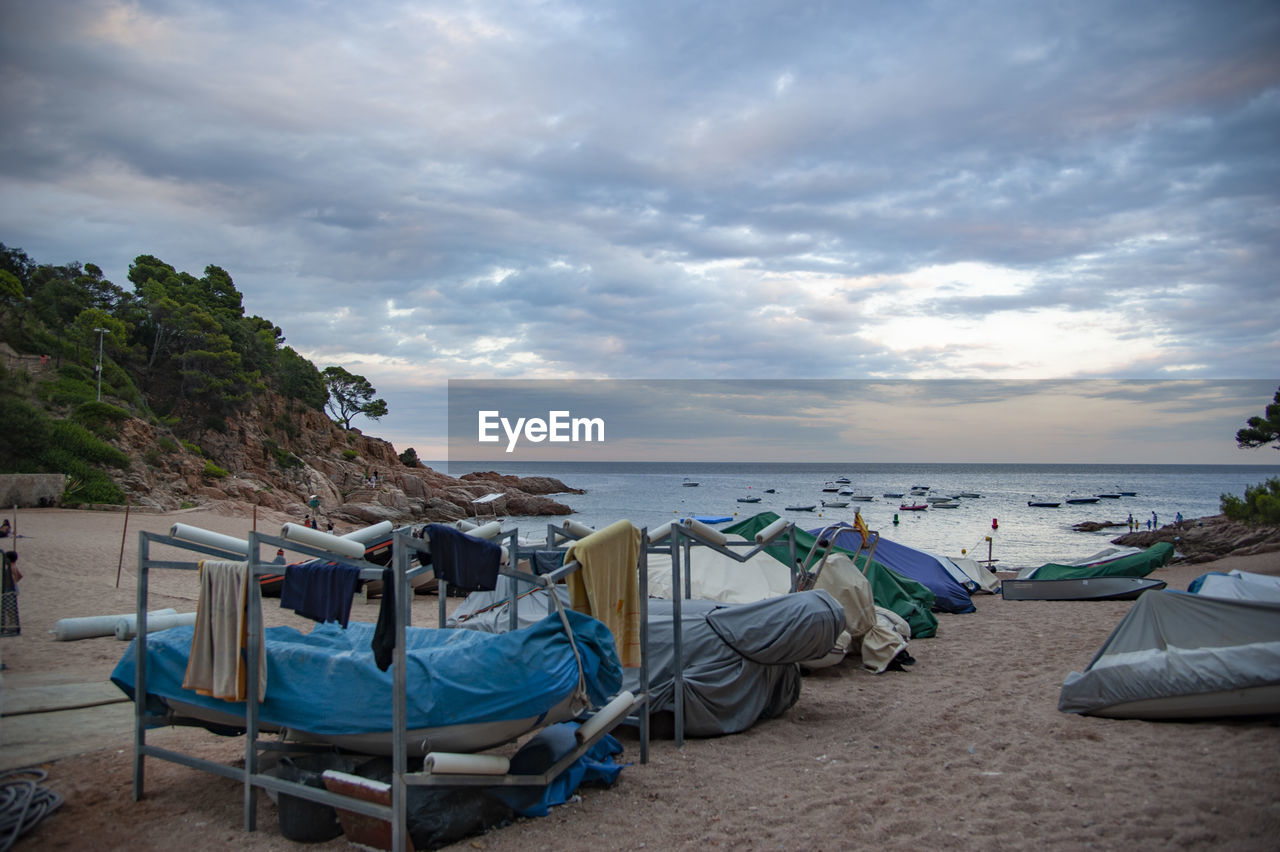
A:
966, 750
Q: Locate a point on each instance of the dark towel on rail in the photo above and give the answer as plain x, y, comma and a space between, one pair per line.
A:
321, 591
469, 563
384, 634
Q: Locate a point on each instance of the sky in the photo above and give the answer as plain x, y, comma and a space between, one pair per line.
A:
422, 192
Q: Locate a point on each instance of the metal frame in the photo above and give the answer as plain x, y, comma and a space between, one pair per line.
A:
404, 547
683, 537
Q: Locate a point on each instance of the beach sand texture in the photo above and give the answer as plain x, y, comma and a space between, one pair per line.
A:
966, 750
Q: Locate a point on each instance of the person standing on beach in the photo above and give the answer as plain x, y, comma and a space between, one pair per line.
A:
9, 623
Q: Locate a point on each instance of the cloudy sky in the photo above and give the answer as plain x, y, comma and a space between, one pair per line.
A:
427, 191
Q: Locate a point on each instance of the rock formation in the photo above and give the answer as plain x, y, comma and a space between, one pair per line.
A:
283, 457
1206, 539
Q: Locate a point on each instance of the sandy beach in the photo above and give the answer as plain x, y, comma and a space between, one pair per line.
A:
966, 750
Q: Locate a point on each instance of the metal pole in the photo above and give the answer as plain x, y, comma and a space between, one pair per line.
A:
100, 331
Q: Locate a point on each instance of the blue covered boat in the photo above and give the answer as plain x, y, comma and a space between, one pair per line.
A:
467, 691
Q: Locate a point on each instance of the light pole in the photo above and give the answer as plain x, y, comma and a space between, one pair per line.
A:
101, 331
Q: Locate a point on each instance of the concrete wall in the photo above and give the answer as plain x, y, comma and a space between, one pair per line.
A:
31, 489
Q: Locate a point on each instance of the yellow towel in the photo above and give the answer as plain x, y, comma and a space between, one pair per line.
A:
216, 665
608, 586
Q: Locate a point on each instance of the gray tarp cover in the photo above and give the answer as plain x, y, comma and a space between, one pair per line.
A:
1176, 644
741, 661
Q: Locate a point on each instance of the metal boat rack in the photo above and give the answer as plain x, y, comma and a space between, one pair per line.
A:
405, 550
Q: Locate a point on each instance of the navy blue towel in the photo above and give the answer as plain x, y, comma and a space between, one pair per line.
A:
321, 591
469, 563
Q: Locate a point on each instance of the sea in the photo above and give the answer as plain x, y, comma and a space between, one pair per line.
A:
996, 524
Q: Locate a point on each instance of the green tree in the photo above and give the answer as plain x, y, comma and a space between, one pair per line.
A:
299, 379
409, 458
1262, 430
350, 395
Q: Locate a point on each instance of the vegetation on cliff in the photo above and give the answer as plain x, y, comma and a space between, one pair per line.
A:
169, 393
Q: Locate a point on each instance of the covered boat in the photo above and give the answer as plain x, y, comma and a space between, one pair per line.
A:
1179, 655
951, 587
910, 600
1138, 564
467, 690
741, 661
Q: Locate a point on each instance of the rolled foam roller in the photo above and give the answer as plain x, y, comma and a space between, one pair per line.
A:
325, 541
705, 531
210, 538
771, 532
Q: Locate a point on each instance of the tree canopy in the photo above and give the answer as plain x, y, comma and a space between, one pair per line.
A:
1262, 430
350, 395
174, 346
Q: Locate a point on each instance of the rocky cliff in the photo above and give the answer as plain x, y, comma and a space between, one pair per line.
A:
283, 456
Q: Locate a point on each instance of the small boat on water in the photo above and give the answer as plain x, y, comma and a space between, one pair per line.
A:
844, 480
1044, 504
690, 483
946, 504
938, 499
895, 495
1082, 500
1127, 493
968, 494
913, 507
749, 499
770, 491
831, 487
861, 498
1110, 496
1082, 589
846, 492
835, 504
806, 508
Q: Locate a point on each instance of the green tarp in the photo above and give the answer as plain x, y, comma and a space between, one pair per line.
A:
891, 590
1134, 565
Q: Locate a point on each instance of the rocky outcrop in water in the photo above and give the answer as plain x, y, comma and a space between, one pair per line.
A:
1206, 539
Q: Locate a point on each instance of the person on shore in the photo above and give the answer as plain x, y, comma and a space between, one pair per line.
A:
1178, 520
1131, 524
9, 577
5, 529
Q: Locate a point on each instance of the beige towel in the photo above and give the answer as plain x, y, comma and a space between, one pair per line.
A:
608, 586
216, 665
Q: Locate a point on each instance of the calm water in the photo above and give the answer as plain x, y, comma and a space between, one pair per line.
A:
649, 493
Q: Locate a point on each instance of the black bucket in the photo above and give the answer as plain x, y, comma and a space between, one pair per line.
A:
303, 820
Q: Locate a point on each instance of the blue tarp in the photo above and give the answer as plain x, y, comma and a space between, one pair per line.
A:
924, 568
326, 682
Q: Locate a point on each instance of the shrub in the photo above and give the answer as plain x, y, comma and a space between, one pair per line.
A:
1261, 504
212, 471
100, 417
350, 455
166, 445
73, 439
193, 448
65, 390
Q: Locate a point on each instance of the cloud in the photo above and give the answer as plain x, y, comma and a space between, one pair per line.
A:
610, 191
